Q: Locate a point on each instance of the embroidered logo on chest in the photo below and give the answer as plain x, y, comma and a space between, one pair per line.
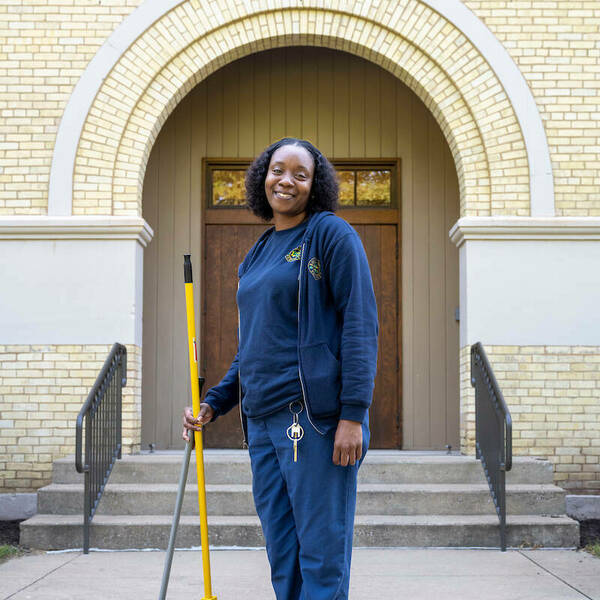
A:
294, 254
314, 267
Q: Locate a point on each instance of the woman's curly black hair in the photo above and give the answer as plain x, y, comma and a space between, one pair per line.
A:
323, 192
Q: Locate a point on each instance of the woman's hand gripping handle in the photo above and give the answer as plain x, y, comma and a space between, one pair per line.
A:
189, 423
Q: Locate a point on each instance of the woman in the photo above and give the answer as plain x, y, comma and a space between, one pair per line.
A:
304, 370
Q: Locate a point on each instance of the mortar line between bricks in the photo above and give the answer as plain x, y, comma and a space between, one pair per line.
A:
42, 577
554, 575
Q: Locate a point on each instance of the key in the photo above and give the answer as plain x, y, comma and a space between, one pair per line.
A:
295, 432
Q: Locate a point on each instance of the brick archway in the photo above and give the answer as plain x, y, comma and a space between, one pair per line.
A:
185, 43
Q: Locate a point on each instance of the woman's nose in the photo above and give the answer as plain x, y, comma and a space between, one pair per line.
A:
285, 180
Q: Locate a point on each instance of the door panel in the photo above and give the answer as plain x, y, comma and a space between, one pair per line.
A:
381, 243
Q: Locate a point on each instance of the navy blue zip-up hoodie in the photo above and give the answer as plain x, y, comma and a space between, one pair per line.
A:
337, 325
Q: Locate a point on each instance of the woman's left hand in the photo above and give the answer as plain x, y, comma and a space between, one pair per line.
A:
347, 447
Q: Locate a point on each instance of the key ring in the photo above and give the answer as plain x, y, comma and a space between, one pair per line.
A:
296, 413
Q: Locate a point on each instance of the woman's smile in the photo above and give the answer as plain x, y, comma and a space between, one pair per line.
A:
284, 195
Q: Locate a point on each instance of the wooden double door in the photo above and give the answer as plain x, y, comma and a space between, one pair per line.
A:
228, 235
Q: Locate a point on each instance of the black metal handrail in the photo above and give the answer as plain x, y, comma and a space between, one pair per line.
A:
493, 432
102, 414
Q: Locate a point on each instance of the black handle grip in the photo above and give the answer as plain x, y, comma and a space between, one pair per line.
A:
187, 268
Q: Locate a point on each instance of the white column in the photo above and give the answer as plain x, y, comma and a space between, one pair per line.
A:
72, 280
529, 281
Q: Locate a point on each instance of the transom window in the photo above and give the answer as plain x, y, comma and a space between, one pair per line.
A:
363, 184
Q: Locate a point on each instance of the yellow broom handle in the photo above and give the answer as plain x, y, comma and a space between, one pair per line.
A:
193, 352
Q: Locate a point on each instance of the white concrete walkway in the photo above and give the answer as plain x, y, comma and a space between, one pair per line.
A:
384, 574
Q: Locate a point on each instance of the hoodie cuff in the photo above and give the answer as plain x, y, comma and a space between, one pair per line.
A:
353, 412
215, 408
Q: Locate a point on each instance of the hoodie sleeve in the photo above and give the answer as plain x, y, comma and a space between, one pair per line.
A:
349, 278
224, 396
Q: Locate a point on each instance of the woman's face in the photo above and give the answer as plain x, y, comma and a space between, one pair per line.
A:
289, 180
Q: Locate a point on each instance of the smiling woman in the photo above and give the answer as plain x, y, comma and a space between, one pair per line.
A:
304, 372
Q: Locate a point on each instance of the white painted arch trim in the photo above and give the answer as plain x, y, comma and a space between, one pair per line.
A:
75, 228
541, 184
525, 228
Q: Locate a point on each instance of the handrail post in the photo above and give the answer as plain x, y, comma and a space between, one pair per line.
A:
493, 432
123, 382
503, 512
86, 486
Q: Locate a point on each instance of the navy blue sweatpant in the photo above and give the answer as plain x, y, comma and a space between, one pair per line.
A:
306, 508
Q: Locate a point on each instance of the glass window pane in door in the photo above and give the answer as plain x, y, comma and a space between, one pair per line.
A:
373, 188
228, 188
346, 183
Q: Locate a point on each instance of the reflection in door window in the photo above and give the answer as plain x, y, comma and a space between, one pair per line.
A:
346, 181
373, 188
227, 188
365, 187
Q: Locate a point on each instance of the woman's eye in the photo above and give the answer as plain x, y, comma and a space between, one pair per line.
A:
277, 171
301, 176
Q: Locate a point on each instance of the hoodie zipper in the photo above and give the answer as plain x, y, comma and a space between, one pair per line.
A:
299, 370
245, 442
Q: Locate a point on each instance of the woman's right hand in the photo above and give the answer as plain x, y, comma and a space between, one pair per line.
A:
204, 416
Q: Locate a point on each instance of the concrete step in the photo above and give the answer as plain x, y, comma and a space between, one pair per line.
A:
378, 499
380, 466
404, 499
53, 532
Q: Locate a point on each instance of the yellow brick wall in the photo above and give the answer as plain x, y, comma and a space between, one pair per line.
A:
556, 45
42, 389
45, 46
553, 394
